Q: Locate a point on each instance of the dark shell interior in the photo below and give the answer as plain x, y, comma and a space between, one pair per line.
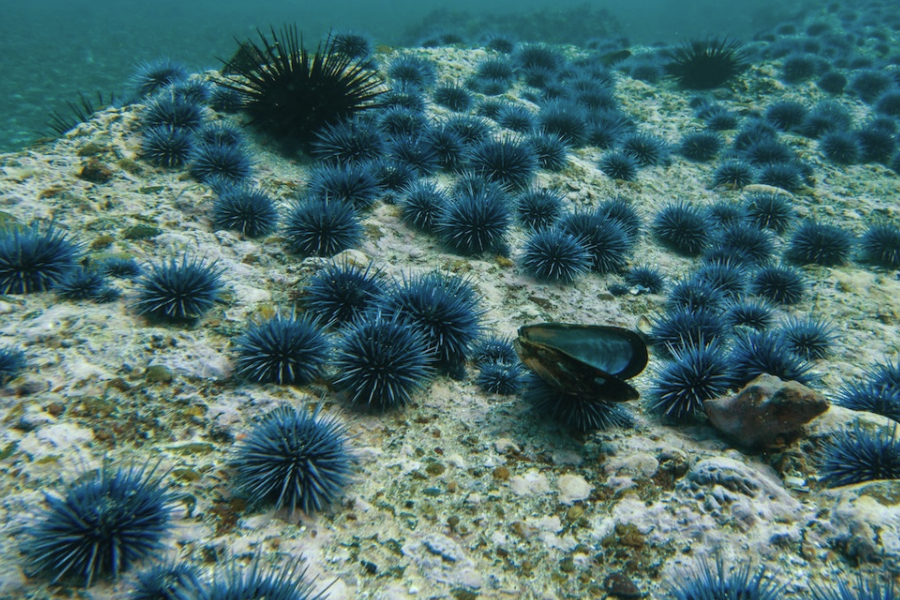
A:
615, 350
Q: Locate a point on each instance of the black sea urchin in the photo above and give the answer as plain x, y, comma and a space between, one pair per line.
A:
291, 94
706, 64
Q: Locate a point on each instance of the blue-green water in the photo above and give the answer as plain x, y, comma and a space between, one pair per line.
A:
50, 50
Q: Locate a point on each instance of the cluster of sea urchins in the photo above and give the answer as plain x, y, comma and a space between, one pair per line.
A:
380, 342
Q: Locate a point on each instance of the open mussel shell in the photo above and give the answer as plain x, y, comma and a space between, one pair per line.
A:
586, 360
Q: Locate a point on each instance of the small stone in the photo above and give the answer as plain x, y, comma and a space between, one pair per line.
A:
95, 172
158, 374
621, 586
435, 468
501, 473
765, 411
142, 231
573, 488
504, 445
531, 483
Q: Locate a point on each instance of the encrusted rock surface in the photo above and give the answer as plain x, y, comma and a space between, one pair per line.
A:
765, 412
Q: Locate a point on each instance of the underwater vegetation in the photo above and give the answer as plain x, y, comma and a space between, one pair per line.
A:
293, 459
291, 95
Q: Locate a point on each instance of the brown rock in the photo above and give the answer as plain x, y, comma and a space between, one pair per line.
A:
621, 586
95, 172
765, 412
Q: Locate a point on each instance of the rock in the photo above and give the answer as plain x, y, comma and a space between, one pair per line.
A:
532, 483
621, 586
765, 411
573, 488
95, 172
864, 521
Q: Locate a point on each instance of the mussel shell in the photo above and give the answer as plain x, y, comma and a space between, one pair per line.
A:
589, 360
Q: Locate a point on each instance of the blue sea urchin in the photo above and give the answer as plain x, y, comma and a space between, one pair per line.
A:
178, 292
505, 379
706, 64
34, 259
167, 146
606, 239
293, 458
220, 162
381, 361
342, 291
249, 211
12, 360
708, 583
619, 165
475, 220
578, 412
509, 162
819, 243
880, 245
859, 454
319, 227
287, 350
808, 337
696, 374
683, 227
444, 309
167, 581
102, 523
555, 255
778, 283
287, 582
759, 352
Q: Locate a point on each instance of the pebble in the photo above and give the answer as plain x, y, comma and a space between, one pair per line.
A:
573, 488
531, 483
621, 586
